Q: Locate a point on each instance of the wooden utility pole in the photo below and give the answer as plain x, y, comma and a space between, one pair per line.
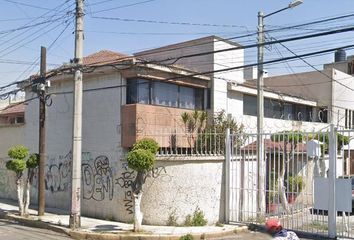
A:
41, 88
75, 213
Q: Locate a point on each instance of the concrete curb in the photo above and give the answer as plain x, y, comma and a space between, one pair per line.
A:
82, 234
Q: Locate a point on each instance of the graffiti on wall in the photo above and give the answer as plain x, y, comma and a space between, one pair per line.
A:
125, 182
58, 175
98, 183
127, 178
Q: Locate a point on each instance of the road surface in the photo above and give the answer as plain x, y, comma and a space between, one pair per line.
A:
15, 231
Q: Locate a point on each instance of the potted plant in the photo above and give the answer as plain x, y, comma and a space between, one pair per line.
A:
295, 185
273, 199
273, 193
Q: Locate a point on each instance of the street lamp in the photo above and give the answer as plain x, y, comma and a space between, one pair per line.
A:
260, 105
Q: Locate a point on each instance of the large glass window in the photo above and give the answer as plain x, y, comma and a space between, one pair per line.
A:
249, 105
279, 109
138, 91
164, 94
187, 97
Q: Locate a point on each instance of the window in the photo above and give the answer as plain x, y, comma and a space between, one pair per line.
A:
273, 108
164, 94
249, 105
16, 120
280, 110
349, 119
187, 98
138, 91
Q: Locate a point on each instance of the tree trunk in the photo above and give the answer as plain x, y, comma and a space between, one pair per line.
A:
138, 215
281, 179
137, 188
282, 192
20, 196
27, 198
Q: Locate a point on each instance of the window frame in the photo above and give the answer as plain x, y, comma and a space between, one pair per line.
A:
133, 82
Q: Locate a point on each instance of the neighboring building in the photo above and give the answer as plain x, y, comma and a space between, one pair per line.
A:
12, 131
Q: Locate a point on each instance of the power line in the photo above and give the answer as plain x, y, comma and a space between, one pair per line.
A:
316, 69
170, 23
27, 5
175, 59
123, 6
159, 33
99, 3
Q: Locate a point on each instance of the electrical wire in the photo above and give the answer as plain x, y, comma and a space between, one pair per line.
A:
123, 6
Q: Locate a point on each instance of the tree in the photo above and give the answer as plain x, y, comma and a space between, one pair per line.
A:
194, 124
289, 140
141, 158
215, 136
211, 136
19, 161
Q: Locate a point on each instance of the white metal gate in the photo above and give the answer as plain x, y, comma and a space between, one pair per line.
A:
295, 165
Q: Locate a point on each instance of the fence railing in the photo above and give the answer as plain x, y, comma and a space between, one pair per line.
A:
286, 182
204, 143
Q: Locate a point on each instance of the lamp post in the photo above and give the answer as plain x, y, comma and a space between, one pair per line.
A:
260, 107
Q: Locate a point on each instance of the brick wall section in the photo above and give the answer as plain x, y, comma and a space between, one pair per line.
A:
158, 122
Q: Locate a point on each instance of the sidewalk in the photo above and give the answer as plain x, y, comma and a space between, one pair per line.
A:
58, 220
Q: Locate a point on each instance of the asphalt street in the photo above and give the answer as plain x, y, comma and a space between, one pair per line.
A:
10, 230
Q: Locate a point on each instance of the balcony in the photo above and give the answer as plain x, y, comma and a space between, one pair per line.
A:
164, 124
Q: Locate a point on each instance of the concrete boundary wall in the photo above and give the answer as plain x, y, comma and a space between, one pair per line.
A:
174, 187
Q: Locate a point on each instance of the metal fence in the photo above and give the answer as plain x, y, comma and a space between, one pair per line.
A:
203, 143
285, 183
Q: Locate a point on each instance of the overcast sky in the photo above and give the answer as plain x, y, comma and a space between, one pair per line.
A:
240, 16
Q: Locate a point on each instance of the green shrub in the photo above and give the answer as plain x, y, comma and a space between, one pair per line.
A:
140, 160
33, 161
16, 165
18, 152
219, 224
147, 144
172, 220
186, 237
188, 221
296, 184
197, 220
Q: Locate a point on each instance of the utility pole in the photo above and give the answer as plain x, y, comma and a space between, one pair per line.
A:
42, 111
260, 117
260, 107
75, 213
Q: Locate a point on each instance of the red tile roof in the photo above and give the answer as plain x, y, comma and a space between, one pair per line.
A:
103, 57
271, 146
13, 109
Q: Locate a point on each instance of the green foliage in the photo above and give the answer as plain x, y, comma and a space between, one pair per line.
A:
187, 237
16, 165
194, 121
198, 219
33, 161
221, 122
140, 160
172, 220
324, 138
296, 184
219, 224
18, 152
288, 136
147, 144
273, 187
213, 136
